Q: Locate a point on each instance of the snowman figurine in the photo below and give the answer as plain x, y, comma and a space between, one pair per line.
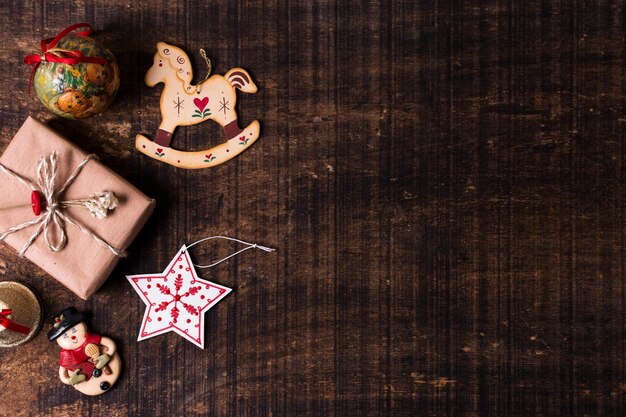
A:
89, 362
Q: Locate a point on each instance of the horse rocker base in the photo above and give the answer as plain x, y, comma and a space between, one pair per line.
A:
200, 159
184, 104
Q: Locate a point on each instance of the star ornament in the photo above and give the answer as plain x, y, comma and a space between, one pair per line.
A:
176, 300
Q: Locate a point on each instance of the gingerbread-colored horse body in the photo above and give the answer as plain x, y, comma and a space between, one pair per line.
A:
184, 104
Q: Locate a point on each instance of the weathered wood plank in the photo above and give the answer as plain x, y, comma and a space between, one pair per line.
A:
443, 182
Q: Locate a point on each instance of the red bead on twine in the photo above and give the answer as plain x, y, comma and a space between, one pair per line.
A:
35, 199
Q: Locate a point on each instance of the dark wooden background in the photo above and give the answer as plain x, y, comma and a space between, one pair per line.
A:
444, 182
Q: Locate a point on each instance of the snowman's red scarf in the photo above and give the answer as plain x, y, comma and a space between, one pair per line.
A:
77, 358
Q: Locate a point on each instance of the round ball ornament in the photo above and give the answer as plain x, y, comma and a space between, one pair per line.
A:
74, 76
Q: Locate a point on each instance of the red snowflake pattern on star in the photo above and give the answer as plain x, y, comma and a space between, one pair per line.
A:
176, 300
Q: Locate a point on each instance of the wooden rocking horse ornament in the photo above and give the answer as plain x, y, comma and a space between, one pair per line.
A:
183, 104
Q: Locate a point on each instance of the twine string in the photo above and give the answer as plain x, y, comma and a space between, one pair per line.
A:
53, 217
208, 71
248, 247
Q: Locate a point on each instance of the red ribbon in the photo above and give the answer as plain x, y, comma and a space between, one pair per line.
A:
10, 325
63, 57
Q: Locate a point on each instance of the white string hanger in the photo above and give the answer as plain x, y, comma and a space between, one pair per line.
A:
248, 247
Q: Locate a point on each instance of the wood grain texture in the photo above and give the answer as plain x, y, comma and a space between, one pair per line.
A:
444, 182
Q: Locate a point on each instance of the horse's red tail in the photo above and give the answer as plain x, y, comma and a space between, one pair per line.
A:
239, 78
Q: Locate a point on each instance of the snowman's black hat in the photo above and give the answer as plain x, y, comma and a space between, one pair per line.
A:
64, 321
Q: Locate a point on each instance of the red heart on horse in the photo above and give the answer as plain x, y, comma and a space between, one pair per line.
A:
159, 150
201, 104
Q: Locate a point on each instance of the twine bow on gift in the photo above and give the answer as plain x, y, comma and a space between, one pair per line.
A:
98, 204
11, 325
50, 53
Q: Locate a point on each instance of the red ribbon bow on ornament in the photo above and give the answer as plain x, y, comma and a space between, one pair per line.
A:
49, 52
10, 325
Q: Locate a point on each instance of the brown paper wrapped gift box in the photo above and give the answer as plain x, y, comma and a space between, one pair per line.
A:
83, 265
